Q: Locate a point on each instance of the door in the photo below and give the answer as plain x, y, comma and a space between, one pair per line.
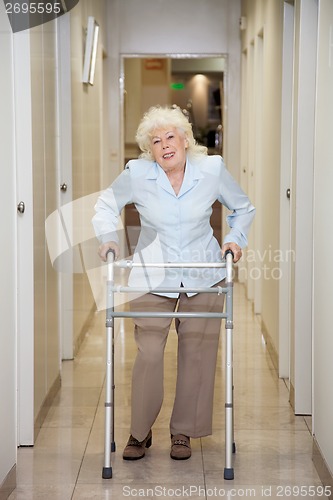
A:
304, 99
285, 191
25, 278
8, 284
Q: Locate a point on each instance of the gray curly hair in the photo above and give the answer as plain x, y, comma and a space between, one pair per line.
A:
164, 117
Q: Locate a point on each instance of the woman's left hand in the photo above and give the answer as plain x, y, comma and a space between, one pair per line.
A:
236, 250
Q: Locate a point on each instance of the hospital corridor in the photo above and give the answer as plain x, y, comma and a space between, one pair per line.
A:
273, 447
167, 132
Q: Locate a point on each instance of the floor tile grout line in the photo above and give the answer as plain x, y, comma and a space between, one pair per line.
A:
89, 435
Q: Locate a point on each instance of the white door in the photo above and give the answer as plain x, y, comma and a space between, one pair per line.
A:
8, 215
285, 191
25, 278
306, 30
16, 102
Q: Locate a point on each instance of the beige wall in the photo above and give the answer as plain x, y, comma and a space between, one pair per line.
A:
144, 87
132, 98
261, 178
155, 83
87, 144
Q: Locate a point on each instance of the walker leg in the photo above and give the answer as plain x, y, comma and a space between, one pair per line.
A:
229, 473
109, 444
229, 438
229, 415
233, 423
107, 473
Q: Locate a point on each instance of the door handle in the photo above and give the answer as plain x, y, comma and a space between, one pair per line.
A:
21, 207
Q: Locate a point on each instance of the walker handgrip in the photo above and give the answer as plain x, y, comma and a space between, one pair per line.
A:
110, 250
229, 251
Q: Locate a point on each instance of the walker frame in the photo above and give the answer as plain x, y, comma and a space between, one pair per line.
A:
111, 314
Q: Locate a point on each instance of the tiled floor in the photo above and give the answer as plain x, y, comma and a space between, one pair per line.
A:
273, 446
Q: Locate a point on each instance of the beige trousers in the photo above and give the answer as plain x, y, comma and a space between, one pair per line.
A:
198, 340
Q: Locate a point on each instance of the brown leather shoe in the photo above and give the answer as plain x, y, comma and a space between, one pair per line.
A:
180, 447
134, 450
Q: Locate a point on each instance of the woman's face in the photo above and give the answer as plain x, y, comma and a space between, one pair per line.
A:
168, 147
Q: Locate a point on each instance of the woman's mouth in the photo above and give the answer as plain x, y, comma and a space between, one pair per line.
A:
168, 155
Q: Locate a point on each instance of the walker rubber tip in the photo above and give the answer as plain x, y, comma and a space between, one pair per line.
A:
228, 474
107, 473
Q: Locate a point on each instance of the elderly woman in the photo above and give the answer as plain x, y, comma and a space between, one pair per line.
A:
173, 186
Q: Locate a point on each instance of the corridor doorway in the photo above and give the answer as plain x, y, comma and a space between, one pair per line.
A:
197, 86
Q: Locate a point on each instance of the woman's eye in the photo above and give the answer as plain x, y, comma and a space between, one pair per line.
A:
156, 141
170, 137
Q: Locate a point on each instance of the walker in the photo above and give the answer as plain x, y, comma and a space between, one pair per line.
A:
109, 444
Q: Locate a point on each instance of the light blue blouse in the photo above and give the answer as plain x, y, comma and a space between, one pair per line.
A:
175, 228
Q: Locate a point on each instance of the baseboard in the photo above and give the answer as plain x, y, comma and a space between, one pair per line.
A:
80, 338
270, 346
292, 396
322, 468
57, 383
53, 391
9, 484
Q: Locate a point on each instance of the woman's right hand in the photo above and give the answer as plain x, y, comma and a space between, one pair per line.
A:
105, 247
